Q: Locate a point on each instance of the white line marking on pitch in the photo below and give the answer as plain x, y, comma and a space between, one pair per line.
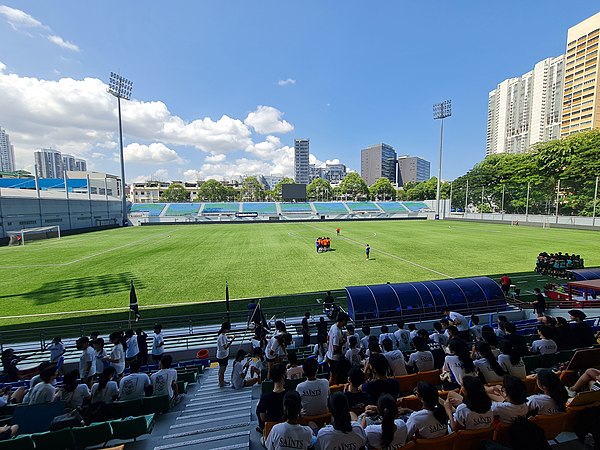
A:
83, 258
391, 255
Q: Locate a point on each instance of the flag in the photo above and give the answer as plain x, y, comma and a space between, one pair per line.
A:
227, 299
133, 303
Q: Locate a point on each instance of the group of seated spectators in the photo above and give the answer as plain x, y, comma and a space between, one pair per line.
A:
483, 363
557, 264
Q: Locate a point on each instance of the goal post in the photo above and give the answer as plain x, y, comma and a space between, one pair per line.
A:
33, 234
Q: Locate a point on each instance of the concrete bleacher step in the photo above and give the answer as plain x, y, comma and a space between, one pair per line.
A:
212, 418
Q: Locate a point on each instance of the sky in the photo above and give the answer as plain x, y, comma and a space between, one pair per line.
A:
221, 89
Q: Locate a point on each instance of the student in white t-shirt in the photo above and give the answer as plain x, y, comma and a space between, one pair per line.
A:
385, 334
320, 348
314, 391
294, 371
164, 381
276, 349
364, 341
509, 403
56, 348
421, 359
290, 434
343, 432
133, 348
158, 343
431, 421
395, 358
350, 332
475, 328
72, 392
133, 386
554, 395
336, 340
458, 363
353, 354
239, 371
438, 335
391, 433
544, 345
510, 360
460, 322
223, 344
105, 390
117, 354
402, 337
486, 363
44, 391
87, 360
473, 408
99, 355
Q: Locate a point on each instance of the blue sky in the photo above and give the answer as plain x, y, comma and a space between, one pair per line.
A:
357, 73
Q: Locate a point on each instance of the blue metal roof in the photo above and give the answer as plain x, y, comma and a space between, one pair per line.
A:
586, 274
414, 298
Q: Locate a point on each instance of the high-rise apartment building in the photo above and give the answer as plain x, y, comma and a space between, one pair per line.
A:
581, 104
301, 158
334, 173
378, 161
412, 169
7, 153
80, 165
69, 163
49, 163
526, 110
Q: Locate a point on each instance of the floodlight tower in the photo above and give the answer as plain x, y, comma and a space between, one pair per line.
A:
441, 111
120, 87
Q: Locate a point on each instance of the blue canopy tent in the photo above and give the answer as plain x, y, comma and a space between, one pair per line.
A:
585, 274
417, 299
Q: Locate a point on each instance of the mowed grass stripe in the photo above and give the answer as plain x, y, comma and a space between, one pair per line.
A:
261, 260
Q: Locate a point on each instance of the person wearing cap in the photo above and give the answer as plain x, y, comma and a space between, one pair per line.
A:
583, 334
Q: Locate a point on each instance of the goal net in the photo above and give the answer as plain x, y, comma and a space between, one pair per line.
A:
33, 234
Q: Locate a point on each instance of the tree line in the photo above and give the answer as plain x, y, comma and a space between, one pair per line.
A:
507, 182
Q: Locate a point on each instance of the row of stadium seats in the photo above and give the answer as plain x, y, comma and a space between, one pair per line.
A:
193, 209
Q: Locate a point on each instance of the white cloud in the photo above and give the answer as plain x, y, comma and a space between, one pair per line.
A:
21, 21
159, 175
267, 120
286, 82
215, 158
63, 43
18, 19
155, 153
2, 66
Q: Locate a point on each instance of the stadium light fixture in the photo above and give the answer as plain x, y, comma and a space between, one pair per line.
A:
440, 112
121, 87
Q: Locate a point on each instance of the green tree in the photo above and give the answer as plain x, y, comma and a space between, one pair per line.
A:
232, 194
175, 193
252, 190
382, 189
276, 192
319, 189
212, 191
353, 187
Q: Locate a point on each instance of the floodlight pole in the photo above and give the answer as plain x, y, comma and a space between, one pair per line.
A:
120, 87
595, 202
441, 111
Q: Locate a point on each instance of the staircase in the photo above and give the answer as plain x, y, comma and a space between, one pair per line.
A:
212, 418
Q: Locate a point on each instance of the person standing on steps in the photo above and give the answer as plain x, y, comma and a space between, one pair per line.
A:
368, 251
223, 344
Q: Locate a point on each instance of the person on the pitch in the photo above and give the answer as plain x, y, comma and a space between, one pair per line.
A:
367, 251
337, 230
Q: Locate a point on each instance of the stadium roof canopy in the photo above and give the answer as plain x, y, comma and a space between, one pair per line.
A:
418, 299
586, 274
44, 183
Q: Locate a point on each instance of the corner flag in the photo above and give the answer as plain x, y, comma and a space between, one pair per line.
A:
133, 303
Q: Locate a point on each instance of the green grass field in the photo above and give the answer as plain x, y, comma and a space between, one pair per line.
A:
179, 264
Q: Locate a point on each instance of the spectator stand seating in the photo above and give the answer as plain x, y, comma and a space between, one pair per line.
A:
393, 207
182, 209
330, 208
260, 207
221, 208
147, 209
295, 208
363, 207
416, 206
82, 437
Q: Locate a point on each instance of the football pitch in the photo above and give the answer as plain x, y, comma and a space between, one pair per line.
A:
90, 274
